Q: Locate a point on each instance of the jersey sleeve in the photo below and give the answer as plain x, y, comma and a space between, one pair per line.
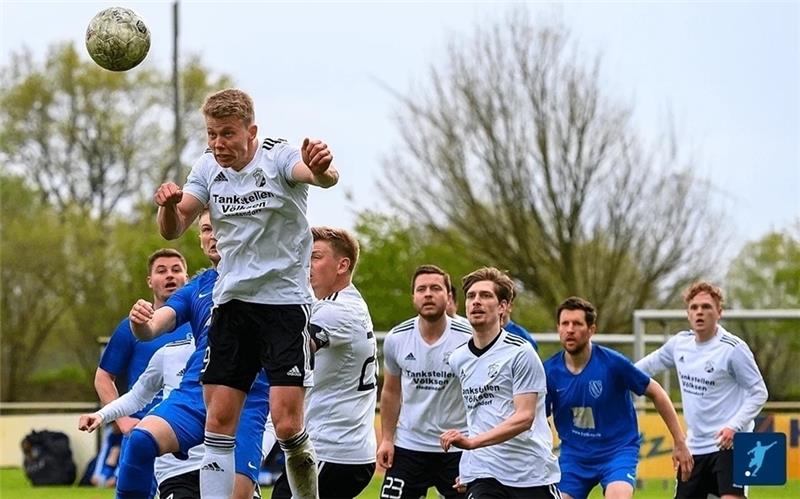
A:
332, 321
390, 364
141, 393
181, 302
659, 360
286, 156
528, 372
197, 181
742, 366
117, 354
634, 378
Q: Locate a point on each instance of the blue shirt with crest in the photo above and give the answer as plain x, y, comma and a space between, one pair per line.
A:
593, 410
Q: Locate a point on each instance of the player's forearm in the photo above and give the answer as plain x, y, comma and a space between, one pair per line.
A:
753, 403
328, 178
123, 406
517, 423
170, 222
163, 320
105, 387
390, 413
667, 412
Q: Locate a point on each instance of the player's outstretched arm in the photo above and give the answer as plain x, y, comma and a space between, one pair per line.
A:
681, 456
176, 212
521, 420
317, 167
148, 323
390, 412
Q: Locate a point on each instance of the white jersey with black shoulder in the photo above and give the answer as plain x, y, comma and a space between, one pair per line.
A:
490, 379
721, 385
340, 407
164, 371
431, 399
259, 218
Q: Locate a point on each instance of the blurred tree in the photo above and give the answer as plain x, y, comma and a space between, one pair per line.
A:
91, 138
65, 281
514, 152
765, 275
392, 249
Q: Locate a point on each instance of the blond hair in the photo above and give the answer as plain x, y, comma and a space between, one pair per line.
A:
230, 102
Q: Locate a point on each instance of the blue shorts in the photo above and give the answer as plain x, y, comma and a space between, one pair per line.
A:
185, 412
579, 476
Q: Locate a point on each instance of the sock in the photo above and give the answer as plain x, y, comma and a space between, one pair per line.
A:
301, 466
136, 466
218, 469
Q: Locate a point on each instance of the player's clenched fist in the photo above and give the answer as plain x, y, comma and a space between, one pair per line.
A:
141, 312
168, 194
90, 422
316, 155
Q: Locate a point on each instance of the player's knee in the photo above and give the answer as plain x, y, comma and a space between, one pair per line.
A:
243, 487
141, 446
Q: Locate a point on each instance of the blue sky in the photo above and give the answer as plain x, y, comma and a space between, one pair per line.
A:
724, 74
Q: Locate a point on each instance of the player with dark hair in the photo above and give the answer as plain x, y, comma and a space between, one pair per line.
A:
420, 396
589, 396
508, 449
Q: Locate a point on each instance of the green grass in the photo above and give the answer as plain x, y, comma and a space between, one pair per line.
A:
13, 485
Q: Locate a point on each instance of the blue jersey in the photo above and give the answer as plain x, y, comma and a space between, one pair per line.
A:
515, 329
593, 410
126, 356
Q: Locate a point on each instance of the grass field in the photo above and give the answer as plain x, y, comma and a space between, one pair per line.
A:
14, 485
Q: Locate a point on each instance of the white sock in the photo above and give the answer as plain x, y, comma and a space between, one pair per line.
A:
301, 466
219, 467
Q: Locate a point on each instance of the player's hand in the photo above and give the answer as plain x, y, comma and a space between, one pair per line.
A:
141, 312
725, 438
682, 460
454, 438
460, 487
316, 155
126, 424
89, 422
168, 194
386, 454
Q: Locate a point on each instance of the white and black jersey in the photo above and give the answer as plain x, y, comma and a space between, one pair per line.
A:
431, 398
340, 407
721, 385
259, 219
490, 379
164, 371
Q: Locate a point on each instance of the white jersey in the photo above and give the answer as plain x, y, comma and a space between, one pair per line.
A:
431, 402
340, 407
720, 384
164, 371
259, 219
490, 379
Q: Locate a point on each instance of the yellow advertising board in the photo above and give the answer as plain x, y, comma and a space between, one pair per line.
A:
655, 454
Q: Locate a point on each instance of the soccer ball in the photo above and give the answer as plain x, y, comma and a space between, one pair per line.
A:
117, 39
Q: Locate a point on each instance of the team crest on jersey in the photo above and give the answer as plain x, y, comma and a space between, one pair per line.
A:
446, 357
709, 367
493, 370
259, 177
595, 388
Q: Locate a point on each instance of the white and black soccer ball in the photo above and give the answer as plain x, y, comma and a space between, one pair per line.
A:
117, 39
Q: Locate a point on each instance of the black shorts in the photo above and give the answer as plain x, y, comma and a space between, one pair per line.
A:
336, 481
244, 337
413, 472
712, 474
183, 486
489, 488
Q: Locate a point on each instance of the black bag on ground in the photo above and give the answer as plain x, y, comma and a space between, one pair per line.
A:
48, 458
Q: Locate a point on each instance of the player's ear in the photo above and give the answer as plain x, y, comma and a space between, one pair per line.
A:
252, 131
343, 266
149, 283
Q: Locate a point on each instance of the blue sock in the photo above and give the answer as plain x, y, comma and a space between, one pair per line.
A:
136, 468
